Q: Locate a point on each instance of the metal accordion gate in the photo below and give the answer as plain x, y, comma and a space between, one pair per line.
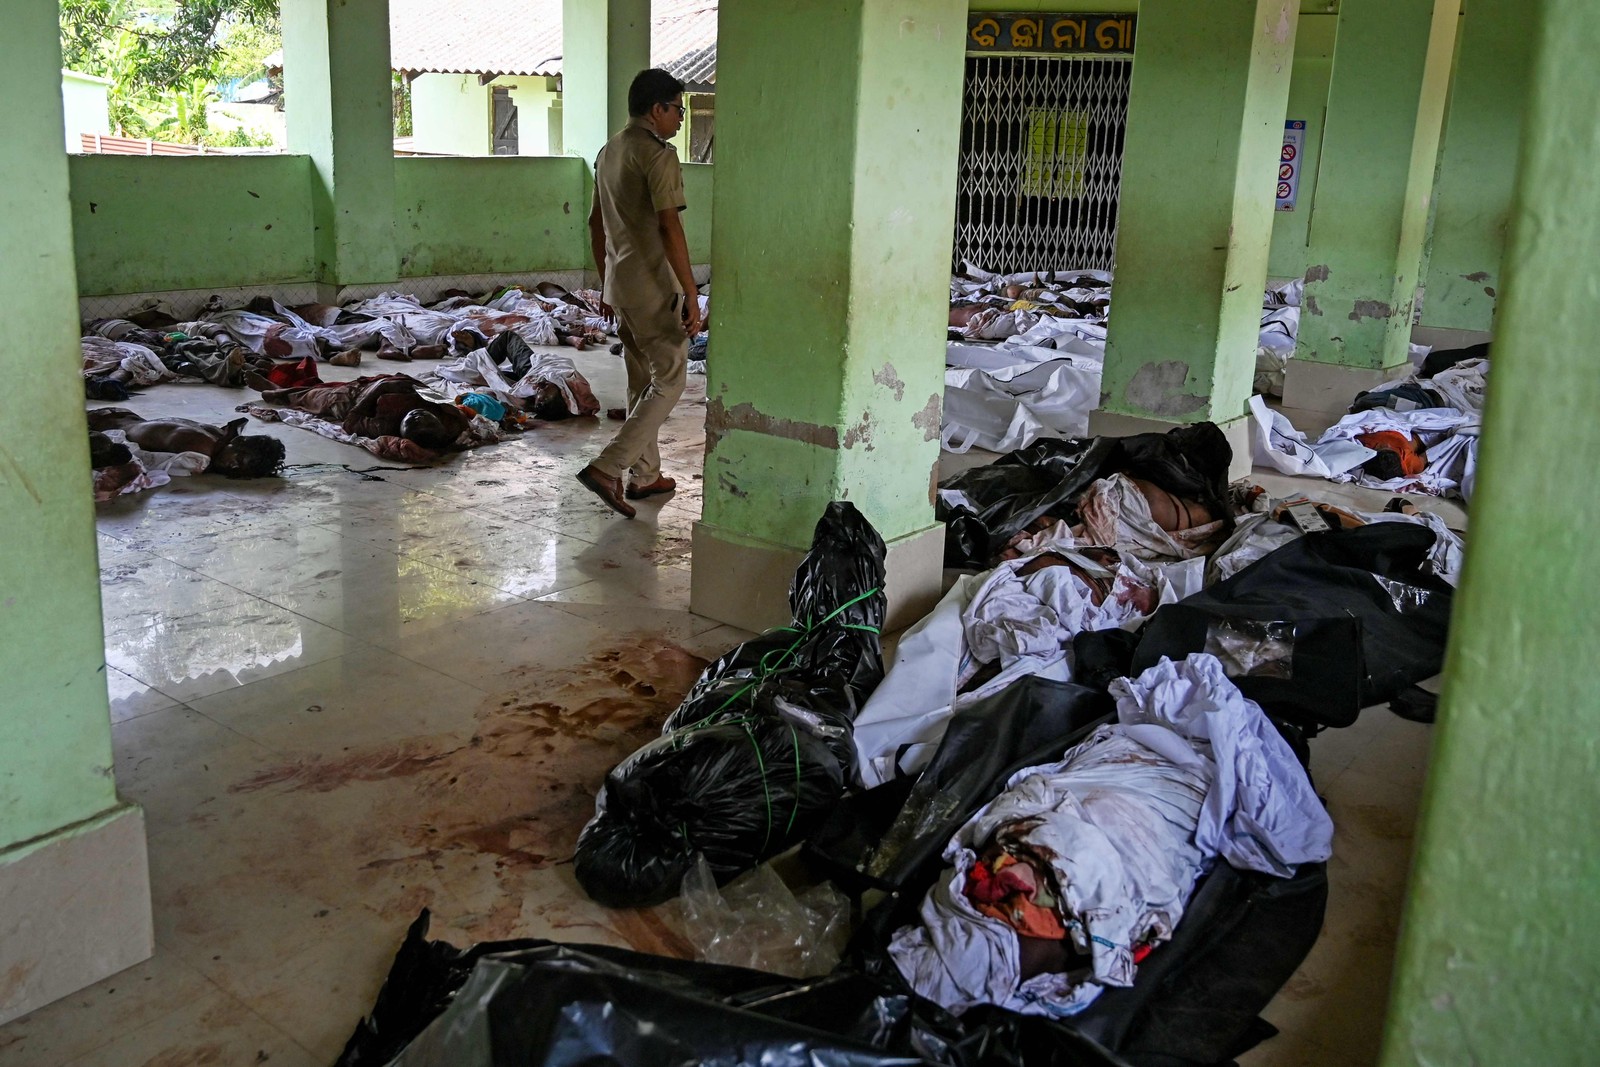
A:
1041, 160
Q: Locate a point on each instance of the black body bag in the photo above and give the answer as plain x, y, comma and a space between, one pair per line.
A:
1330, 623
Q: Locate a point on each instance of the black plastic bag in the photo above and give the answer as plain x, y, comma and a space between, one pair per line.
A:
1330, 623
985, 507
535, 1003
1443, 359
892, 836
761, 748
1195, 1000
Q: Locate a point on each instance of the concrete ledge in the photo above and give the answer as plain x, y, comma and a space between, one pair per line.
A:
74, 908
1448, 337
1328, 388
746, 584
1237, 431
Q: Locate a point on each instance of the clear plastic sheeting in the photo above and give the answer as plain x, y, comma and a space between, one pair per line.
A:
1252, 647
1370, 613
756, 921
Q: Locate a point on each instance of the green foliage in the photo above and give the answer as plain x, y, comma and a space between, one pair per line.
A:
245, 48
164, 57
402, 105
236, 138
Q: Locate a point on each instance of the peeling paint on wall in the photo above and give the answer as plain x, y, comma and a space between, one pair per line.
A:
1317, 272
927, 420
720, 419
860, 433
1155, 388
1371, 309
890, 380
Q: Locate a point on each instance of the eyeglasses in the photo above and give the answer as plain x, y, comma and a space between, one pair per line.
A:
682, 111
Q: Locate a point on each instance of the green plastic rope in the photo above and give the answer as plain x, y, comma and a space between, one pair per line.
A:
764, 671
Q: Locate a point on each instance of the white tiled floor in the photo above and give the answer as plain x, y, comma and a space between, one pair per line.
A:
343, 697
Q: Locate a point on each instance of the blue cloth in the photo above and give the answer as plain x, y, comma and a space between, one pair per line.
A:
484, 405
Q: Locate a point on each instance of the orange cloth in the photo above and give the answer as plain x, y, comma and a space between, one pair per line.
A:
1412, 460
1003, 888
1027, 918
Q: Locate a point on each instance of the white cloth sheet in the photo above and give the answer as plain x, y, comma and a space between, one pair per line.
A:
1025, 625
1127, 822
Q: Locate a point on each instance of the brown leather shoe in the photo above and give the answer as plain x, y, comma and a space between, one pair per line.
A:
662, 484
607, 488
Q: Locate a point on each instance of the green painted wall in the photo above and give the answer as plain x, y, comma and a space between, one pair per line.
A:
830, 268
697, 191
55, 729
134, 218
190, 222
486, 214
538, 119
1499, 955
627, 53
1391, 72
83, 98
338, 93
1196, 212
451, 115
585, 122
1478, 165
1308, 100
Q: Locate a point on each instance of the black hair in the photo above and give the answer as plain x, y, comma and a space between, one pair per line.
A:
426, 429
253, 456
1386, 465
104, 452
651, 87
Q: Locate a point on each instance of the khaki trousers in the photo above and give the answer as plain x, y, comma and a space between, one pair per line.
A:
656, 352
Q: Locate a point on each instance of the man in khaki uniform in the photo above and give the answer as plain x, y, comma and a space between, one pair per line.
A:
643, 259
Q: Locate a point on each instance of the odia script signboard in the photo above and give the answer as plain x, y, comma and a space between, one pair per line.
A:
1033, 33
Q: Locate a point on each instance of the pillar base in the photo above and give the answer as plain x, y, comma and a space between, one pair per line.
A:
1326, 389
746, 584
74, 908
1116, 424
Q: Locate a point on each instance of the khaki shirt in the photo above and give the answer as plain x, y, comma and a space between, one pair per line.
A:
636, 175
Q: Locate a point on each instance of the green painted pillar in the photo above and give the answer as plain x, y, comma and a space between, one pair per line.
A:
627, 53
1478, 165
338, 95
1308, 99
1369, 215
1195, 211
585, 78
1499, 953
831, 273
74, 887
